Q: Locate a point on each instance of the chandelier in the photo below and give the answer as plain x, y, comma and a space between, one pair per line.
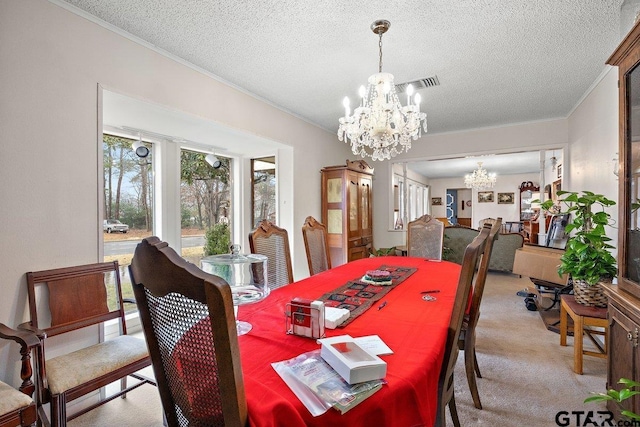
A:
480, 179
380, 127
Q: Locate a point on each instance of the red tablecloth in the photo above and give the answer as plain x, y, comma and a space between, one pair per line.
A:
414, 329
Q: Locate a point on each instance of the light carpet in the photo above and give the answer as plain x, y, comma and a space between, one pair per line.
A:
527, 379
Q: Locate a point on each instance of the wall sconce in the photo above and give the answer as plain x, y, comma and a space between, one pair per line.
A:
616, 165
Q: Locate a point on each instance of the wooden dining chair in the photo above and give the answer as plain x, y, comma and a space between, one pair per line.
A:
273, 242
446, 395
69, 299
17, 408
316, 245
467, 337
189, 324
424, 238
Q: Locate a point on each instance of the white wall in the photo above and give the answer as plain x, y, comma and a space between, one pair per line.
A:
51, 62
593, 143
478, 211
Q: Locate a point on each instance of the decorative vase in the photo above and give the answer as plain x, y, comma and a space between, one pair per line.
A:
589, 295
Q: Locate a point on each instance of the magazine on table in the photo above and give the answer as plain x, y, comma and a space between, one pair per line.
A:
319, 387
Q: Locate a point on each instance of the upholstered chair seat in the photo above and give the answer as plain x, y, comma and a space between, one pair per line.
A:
96, 361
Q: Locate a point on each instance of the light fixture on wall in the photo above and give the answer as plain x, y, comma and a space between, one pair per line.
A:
554, 160
213, 161
616, 165
139, 148
380, 126
480, 179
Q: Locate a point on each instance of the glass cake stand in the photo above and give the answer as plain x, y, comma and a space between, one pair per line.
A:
247, 276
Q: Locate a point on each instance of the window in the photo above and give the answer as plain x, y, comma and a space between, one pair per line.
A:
128, 203
263, 189
205, 206
417, 199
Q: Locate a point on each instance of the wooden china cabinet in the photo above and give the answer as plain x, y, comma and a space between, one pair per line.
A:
346, 210
624, 298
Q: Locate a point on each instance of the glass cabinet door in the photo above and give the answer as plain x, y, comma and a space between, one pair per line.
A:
632, 147
365, 208
353, 205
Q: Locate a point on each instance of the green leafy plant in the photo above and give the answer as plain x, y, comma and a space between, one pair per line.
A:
619, 397
217, 240
587, 256
382, 251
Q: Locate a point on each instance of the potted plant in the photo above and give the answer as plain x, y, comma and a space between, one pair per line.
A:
587, 258
373, 252
619, 397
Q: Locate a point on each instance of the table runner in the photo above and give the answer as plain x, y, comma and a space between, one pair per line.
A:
358, 296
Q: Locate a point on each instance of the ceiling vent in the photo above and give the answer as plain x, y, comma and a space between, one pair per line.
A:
419, 84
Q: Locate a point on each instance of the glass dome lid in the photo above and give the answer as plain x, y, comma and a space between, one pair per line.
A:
246, 274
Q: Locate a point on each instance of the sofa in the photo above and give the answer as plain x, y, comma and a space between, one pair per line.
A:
456, 239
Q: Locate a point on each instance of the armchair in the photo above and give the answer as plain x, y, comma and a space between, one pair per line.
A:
64, 300
17, 408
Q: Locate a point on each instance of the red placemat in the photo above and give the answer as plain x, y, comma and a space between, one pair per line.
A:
357, 296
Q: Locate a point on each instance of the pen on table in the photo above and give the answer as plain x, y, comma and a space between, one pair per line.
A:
381, 306
434, 291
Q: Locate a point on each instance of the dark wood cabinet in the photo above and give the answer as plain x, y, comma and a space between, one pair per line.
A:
347, 210
623, 351
624, 298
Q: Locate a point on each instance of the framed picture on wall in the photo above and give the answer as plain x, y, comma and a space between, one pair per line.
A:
505, 198
559, 171
436, 201
485, 196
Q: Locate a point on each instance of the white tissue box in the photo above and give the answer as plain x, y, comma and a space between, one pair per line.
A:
351, 361
333, 317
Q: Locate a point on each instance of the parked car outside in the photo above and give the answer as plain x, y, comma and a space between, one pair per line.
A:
114, 226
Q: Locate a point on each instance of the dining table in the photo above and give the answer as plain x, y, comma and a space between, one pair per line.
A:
413, 327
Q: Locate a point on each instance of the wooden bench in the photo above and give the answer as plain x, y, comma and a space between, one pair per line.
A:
583, 319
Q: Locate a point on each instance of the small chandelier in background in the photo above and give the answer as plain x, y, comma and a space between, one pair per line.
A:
480, 179
380, 126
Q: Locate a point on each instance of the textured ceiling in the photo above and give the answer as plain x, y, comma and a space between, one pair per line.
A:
498, 61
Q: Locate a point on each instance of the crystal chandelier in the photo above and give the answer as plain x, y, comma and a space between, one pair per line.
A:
480, 179
380, 127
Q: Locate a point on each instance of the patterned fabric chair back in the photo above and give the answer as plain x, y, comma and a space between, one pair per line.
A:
424, 238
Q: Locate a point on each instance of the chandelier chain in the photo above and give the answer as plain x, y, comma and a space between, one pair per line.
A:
380, 47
